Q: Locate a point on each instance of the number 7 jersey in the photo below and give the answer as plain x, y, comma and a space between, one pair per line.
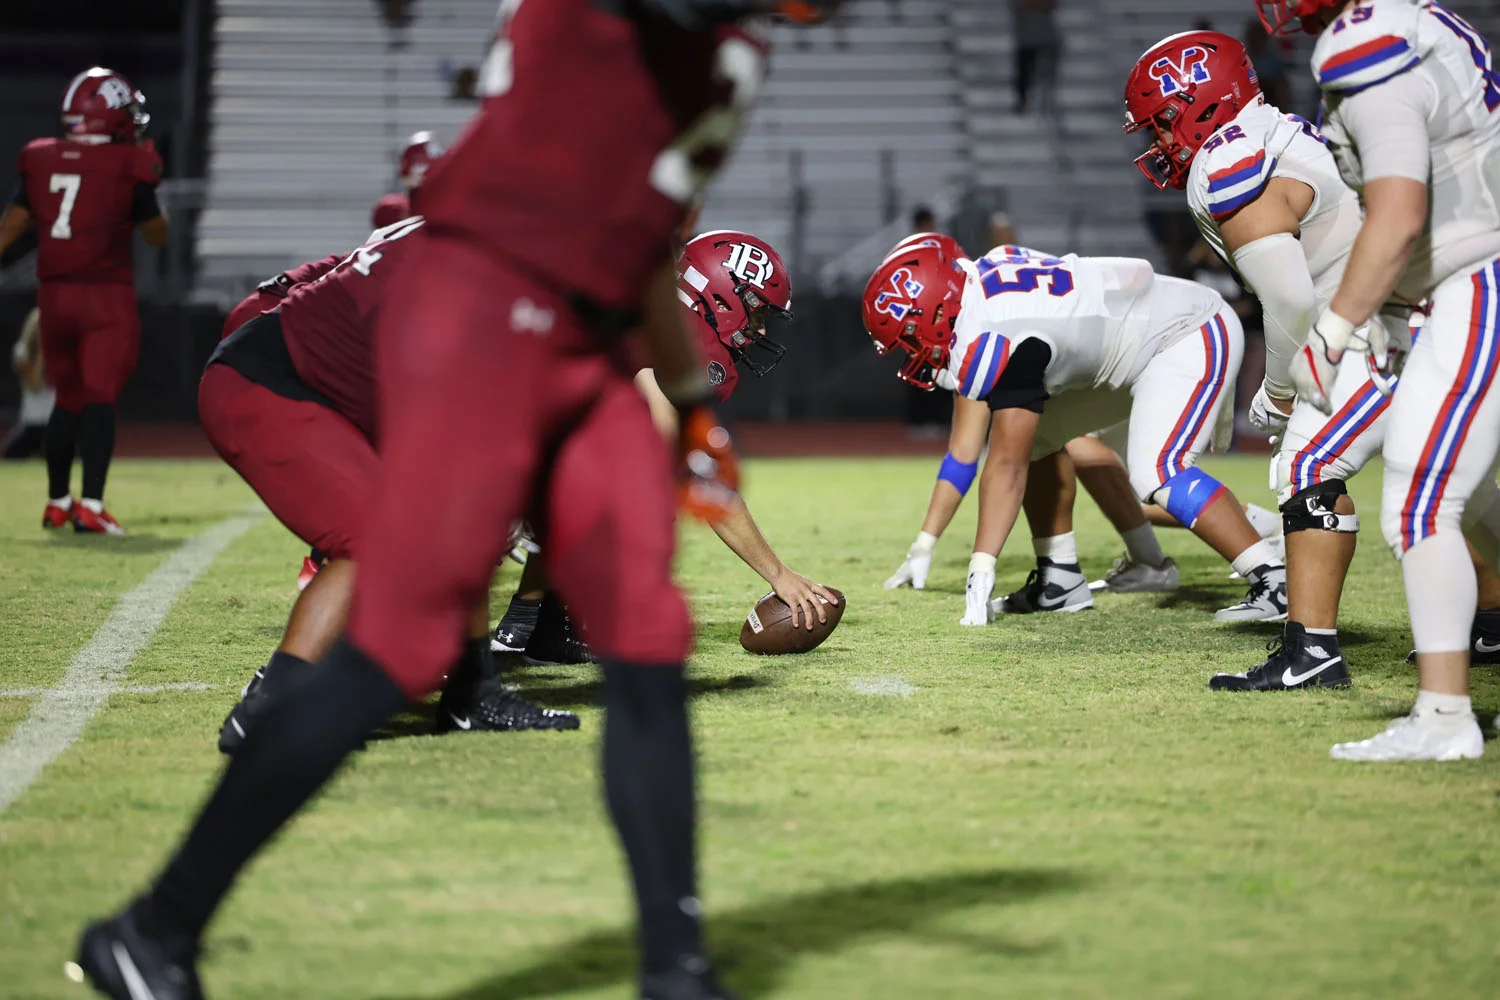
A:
1100, 317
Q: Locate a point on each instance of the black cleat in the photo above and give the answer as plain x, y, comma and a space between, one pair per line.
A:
555, 642
1484, 639
509, 640
517, 625
1050, 587
257, 694
1297, 660
122, 961
494, 708
693, 979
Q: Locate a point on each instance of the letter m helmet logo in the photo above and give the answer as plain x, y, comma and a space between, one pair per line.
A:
1175, 76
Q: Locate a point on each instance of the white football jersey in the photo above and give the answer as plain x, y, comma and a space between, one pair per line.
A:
1101, 317
1239, 160
1379, 41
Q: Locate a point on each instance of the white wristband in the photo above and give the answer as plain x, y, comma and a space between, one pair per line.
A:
1335, 330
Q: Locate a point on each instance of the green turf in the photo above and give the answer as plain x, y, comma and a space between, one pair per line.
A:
1060, 809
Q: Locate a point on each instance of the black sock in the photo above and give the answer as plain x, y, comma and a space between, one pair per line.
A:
285, 667
60, 445
96, 446
648, 781
290, 753
520, 617
476, 664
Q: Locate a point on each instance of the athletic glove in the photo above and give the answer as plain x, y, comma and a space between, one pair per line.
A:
1265, 414
917, 565
708, 473
1316, 365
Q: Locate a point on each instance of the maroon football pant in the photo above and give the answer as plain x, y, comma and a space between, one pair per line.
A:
91, 335
495, 405
313, 468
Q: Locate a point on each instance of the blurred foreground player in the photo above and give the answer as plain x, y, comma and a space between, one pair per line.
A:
289, 400
37, 396
87, 192
546, 244
421, 149
729, 284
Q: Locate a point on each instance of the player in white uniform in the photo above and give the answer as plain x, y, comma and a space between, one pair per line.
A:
1086, 460
1061, 346
1413, 117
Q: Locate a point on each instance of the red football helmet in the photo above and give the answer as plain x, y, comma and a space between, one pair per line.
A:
734, 281
942, 241
1185, 88
421, 149
1283, 17
910, 304
102, 103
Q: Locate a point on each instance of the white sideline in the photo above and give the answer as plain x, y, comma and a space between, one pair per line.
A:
98, 671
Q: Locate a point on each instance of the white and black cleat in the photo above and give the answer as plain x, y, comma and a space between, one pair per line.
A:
1266, 601
509, 640
692, 979
119, 959
1127, 576
1049, 587
492, 707
1297, 660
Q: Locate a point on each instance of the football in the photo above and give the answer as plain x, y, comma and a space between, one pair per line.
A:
768, 629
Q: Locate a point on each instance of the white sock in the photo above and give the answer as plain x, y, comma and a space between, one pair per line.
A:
97, 506
1142, 547
1440, 592
66, 503
981, 562
1448, 707
1258, 555
1321, 631
1060, 549
925, 542
1265, 522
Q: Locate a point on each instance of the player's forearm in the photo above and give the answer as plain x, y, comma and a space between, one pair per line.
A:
1002, 486
941, 508
155, 230
663, 413
1276, 269
740, 532
12, 224
1394, 222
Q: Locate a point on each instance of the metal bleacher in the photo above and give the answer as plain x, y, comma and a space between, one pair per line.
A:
896, 103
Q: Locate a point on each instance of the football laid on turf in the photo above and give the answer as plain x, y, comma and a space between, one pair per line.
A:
768, 629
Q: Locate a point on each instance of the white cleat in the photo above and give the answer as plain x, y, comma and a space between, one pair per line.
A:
1050, 587
977, 599
1127, 577
1414, 737
1266, 601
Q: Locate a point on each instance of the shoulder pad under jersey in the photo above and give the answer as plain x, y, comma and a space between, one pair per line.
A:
1368, 45
1232, 168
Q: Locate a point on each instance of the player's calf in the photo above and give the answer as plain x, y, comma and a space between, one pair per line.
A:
1207, 508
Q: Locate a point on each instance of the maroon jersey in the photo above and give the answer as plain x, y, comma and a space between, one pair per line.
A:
329, 324
390, 209
598, 130
271, 291
86, 199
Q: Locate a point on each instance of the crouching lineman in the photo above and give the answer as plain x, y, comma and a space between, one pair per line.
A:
421, 149
1267, 196
289, 401
729, 283
1144, 568
1413, 117
1058, 347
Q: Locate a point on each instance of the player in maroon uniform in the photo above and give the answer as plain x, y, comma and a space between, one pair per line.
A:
729, 284
421, 149
86, 192
546, 241
288, 400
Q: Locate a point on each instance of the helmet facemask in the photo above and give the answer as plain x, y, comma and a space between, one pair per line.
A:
752, 337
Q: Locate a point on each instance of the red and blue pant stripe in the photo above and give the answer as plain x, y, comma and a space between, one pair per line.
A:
1173, 456
1357, 415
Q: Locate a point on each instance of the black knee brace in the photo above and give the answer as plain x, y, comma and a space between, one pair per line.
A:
1313, 510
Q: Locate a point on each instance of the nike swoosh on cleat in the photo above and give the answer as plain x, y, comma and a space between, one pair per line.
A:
1480, 646
134, 981
1292, 680
461, 721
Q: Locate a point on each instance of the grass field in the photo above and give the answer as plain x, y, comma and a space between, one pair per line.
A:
1054, 807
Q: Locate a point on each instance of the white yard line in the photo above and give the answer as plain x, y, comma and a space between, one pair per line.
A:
98, 671
883, 687
128, 689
